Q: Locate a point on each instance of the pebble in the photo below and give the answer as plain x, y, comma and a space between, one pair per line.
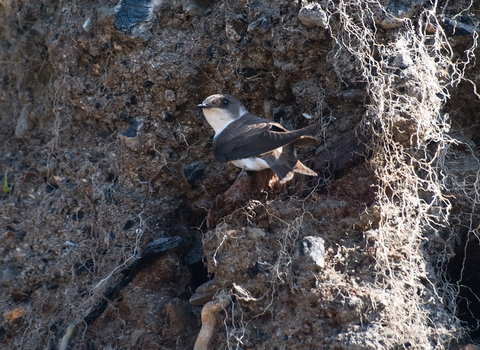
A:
261, 25
312, 15
169, 95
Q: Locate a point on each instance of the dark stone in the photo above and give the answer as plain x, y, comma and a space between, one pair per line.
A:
333, 163
236, 27
194, 173
267, 44
132, 12
278, 114
261, 25
152, 252
247, 39
249, 72
256, 269
128, 225
454, 27
167, 117
87, 265
135, 125
147, 84
213, 52
52, 287
77, 216
50, 188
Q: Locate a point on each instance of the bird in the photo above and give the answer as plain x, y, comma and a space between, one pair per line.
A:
254, 143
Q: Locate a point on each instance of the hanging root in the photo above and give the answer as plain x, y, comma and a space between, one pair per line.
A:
66, 337
209, 313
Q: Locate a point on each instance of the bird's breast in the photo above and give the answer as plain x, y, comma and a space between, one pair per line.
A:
253, 163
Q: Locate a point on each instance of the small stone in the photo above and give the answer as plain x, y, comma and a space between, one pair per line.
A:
261, 25
313, 248
204, 293
87, 24
312, 15
130, 136
453, 27
166, 116
170, 95
135, 18
194, 173
392, 16
24, 122
14, 314
235, 27
354, 302
135, 125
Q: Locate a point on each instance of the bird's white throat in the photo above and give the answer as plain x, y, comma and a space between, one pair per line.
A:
219, 118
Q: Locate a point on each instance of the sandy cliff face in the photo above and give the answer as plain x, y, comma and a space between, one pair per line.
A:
113, 210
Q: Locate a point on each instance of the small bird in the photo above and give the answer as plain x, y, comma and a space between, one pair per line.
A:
254, 143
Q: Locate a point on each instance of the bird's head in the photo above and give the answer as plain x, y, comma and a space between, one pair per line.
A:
221, 110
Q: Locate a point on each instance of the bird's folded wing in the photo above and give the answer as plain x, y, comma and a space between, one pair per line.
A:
242, 139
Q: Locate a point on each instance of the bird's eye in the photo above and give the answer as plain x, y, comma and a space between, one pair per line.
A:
225, 102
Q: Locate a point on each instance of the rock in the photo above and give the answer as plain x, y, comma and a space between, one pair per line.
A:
214, 52
460, 30
130, 136
24, 122
453, 27
14, 314
135, 125
204, 293
261, 25
309, 91
311, 250
135, 17
235, 27
87, 24
180, 319
354, 302
170, 95
312, 15
194, 173
166, 116
391, 16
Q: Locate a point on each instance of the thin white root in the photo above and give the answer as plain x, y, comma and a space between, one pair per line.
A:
209, 312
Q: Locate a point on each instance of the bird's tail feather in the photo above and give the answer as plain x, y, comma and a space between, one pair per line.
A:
284, 163
302, 169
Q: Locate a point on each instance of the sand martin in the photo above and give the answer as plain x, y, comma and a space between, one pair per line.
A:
254, 143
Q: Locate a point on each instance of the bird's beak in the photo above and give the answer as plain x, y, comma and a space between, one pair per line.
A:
203, 105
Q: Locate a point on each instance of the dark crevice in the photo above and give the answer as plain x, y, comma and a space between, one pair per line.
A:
463, 270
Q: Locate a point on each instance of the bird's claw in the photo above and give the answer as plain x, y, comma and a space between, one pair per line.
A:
242, 176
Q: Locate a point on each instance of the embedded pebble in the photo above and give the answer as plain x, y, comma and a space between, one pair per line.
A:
312, 15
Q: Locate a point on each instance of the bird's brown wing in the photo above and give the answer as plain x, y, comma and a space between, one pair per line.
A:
251, 136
